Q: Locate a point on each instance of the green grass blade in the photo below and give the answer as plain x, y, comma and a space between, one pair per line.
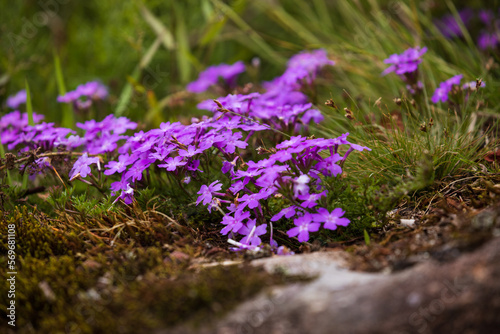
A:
159, 28
182, 38
126, 93
68, 117
2, 154
252, 35
290, 22
29, 111
367, 237
29, 107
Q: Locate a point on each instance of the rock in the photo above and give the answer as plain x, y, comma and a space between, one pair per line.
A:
462, 296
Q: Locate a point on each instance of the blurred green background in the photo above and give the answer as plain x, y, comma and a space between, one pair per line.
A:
146, 51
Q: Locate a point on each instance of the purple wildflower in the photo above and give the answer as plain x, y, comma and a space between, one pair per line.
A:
445, 87
123, 161
17, 99
331, 220
84, 94
449, 26
212, 74
405, 63
287, 212
206, 193
487, 40
252, 233
304, 225
300, 185
234, 224
82, 166
252, 200
191, 151
171, 164
127, 195
309, 200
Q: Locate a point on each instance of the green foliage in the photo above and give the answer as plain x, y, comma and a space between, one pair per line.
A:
60, 198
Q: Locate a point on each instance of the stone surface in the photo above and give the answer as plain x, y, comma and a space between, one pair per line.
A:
462, 296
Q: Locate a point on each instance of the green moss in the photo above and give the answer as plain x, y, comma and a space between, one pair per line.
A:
70, 280
37, 235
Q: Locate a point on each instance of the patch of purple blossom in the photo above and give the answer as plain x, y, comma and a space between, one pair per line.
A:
84, 94
488, 40
450, 27
282, 106
406, 66
445, 87
17, 99
212, 74
294, 171
81, 168
406, 62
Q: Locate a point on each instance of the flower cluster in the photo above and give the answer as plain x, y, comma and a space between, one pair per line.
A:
179, 149
302, 68
84, 94
450, 27
296, 171
211, 76
489, 37
283, 105
99, 137
487, 22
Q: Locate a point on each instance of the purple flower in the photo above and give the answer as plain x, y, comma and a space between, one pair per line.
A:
206, 193
82, 166
239, 185
235, 223
407, 62
445, 87
309, 200
292, 142
486, 16
135, 172
487, 40
229, 166
252, 200
304, 66
329, 167
127, 195
304, 225
331, 220
171, 164
191, 151
83, 95
449, 26
17, 99
287, 212
123, 161
212, 74
252, 233
231, 142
